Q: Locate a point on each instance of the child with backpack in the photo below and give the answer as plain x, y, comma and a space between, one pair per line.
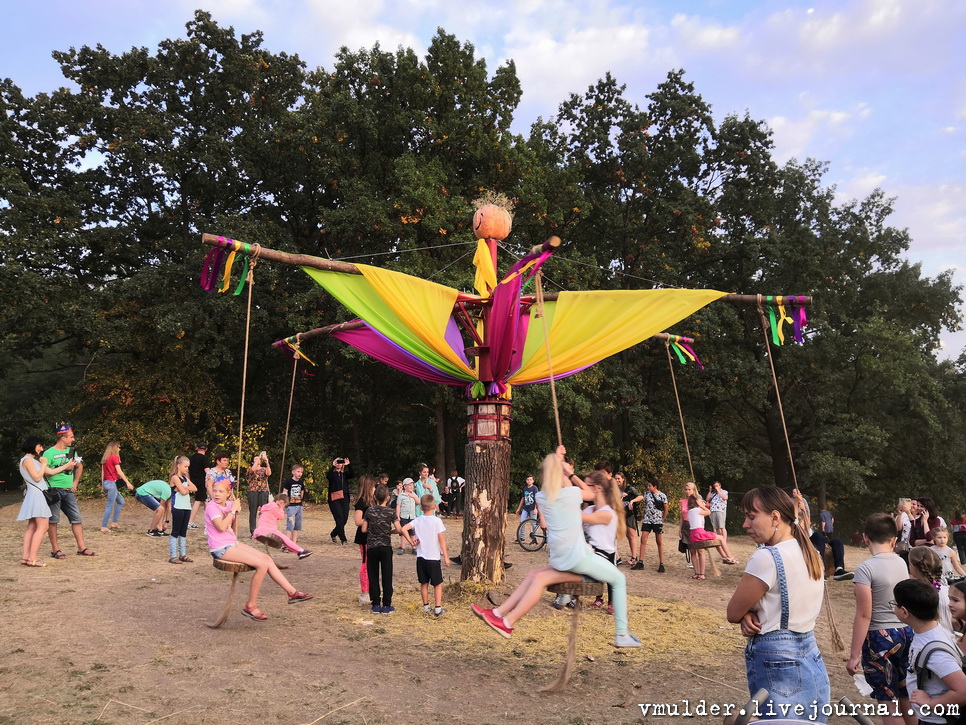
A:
936, 678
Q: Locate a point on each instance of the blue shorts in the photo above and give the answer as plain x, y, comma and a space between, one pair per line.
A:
220, 553
150, 501
67, 504
293, 518
885, 658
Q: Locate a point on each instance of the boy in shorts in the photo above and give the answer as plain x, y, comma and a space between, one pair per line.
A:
430, 543
880, 640
655, 509
295, 489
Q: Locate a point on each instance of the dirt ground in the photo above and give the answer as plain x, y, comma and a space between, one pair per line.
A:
121, 638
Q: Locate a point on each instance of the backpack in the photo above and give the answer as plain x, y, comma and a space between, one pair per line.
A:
920, 666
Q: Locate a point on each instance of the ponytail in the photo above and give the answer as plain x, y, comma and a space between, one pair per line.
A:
772, 498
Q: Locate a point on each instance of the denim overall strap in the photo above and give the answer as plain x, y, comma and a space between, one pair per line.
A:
782, 584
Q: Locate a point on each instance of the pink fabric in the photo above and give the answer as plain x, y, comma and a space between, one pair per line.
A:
701, 535
269, 515
273, 531
364, 569
218, 539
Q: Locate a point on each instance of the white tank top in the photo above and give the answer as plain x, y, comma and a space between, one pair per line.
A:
602, 536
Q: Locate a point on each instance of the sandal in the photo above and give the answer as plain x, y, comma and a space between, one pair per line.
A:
729, 561
174, 560
85, 552
254, 614
34, 563
186, 559
58, 554
699, 577
298, 596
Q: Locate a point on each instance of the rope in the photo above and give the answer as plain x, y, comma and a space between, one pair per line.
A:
546, 342
256, 249
684, 432
288, 418
404, 251
778, 395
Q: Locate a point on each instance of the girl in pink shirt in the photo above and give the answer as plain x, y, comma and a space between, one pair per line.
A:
269, 515
221, 525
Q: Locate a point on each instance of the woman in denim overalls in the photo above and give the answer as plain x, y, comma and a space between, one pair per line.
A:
777, 602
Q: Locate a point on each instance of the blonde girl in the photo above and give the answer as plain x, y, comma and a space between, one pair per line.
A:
111, 475
925, 564
181, 489
571, 557
603, 525
947, 555
777, 602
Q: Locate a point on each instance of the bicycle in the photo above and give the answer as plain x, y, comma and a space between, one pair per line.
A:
530, 536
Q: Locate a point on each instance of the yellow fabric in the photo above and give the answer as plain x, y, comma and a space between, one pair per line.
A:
586, 327
485, 273
425, 307
226, 277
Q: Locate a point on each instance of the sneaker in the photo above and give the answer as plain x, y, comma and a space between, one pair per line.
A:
690, 566
193, 526
571, 604
610, 609
427, 609
334, 540
496, 623
376, 609
619, 562
597, 604
841, 575
413, 552
305, 554
638, 565
660, 568
439, 612
400, 551
297, 596
389, 609
155, 533
626, 640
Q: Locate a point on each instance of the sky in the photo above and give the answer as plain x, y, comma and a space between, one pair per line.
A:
874, 88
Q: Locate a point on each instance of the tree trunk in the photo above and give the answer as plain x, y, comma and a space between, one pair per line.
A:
487, 491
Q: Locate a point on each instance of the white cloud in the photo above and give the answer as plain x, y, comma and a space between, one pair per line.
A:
795, 136
702, 36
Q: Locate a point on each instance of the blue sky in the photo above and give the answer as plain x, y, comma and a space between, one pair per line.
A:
874, 87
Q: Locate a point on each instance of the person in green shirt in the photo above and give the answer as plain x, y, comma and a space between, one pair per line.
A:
151, 494
66, 483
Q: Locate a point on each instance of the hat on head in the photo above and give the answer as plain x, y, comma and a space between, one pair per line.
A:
62, 427
201, 446
407, 480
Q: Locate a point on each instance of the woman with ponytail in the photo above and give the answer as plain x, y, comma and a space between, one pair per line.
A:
604, 524
777, 602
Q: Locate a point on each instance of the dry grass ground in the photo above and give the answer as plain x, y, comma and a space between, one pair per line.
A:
121, 638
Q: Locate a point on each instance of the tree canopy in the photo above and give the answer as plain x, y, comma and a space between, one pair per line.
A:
106, 187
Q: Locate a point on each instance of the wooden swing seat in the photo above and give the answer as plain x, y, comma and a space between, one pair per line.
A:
576, 590
709, 544
235, 568
271, 541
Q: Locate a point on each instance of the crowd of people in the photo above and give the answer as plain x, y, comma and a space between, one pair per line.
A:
910, 594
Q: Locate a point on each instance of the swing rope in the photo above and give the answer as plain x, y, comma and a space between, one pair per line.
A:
256, 249
288, 418
837, 640
546, 341
684, 432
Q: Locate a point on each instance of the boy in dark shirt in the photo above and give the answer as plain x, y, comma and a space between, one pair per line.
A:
295, 489
379, 522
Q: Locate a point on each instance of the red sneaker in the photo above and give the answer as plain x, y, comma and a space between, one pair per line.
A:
496, 623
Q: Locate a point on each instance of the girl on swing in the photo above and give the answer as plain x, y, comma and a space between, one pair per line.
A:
221, 525
571, 557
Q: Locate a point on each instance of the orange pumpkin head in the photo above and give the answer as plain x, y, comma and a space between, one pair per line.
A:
492, 222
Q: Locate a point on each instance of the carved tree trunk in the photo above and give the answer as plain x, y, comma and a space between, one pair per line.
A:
488, 490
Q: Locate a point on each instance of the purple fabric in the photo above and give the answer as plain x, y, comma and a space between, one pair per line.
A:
384, 350
210, 271
455, 339
693, 353
558, 377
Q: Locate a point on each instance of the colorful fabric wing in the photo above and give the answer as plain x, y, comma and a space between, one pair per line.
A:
485, 273
384, 350
586, 327
411, 312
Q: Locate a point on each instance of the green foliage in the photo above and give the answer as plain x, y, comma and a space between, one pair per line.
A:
106, 188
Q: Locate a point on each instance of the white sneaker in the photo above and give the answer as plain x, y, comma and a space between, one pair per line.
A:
364, 599
626, 640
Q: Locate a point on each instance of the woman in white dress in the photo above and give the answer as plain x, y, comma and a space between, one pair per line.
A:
34, 509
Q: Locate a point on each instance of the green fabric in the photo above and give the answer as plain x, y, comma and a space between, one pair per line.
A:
159, 489
55, 459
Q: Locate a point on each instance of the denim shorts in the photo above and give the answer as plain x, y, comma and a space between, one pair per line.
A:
885, 657
67, 505
220, 553
789, 665
150, 501
293, 518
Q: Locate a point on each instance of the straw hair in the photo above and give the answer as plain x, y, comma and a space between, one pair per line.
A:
174, 464
551, 476
112, 449
612, 494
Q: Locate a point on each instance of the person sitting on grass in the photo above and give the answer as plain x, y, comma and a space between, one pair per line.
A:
221, 525
571, 557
